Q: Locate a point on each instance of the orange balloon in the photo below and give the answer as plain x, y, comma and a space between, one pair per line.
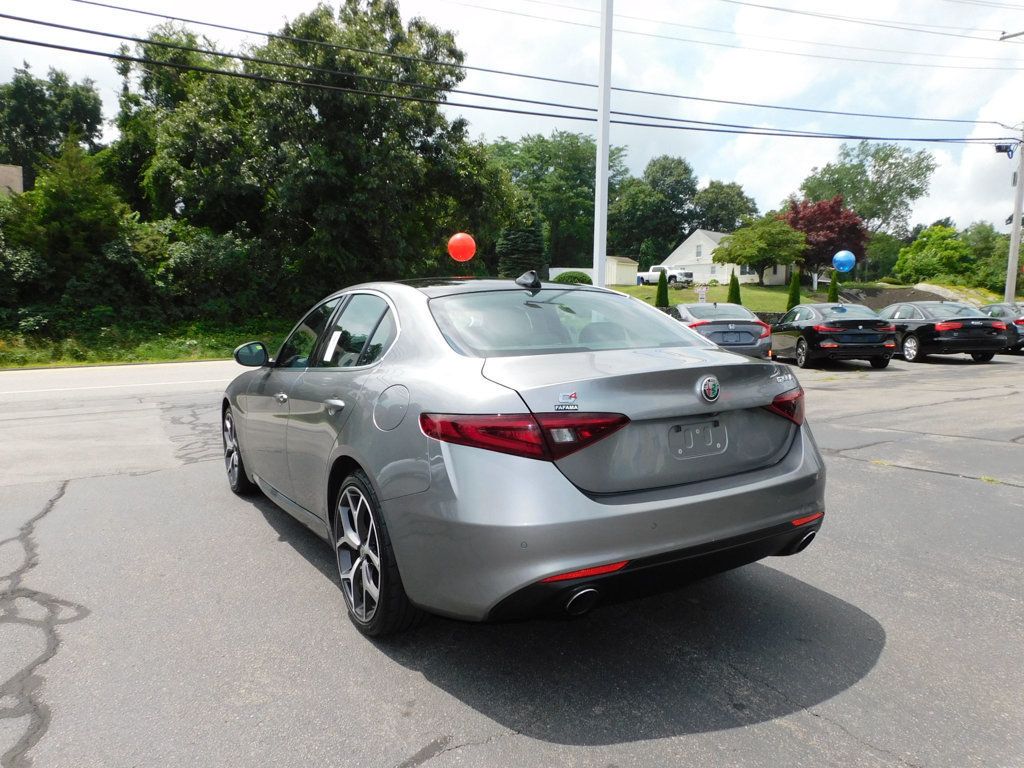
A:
461, 246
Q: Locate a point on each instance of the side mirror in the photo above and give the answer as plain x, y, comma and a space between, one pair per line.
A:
252, 354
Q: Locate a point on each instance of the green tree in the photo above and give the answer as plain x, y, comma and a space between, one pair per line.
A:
793, 298
881, 253
989, 250
661, 297
722, 207
37, 116
734, 289
638, 213
760, 243
558, 173
877, 180
674, 179
652, 251
521, 248
833, 286
936, 252
339, 187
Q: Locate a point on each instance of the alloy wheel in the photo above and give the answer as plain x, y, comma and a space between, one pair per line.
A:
357, 547
910, 349
231, 457
801, 353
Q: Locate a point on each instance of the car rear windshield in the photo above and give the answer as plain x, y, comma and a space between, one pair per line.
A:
509, 323
949, 309
848, 310
720, 312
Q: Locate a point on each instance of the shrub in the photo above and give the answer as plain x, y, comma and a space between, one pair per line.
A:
833, 287
573, 278
794, 291
712, 283
661, 297
520, 249
734, 289
889, 280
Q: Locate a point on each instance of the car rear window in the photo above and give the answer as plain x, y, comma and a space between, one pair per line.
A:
509, 323
720, 312
848, 310
949, 309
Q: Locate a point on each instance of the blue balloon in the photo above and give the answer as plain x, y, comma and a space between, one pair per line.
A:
844, 261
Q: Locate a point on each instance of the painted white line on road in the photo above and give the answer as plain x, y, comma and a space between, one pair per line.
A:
114, 386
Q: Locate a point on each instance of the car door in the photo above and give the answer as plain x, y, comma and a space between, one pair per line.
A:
268, 406
783, 340
328, 393
899, 319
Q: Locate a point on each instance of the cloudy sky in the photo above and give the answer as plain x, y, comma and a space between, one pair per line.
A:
949, 64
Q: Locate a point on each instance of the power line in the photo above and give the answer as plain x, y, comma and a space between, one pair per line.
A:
798, 41
581, 118
801, 54
561, 81
989, 4
903, 26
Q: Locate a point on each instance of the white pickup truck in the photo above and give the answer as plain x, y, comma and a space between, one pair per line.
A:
674, 275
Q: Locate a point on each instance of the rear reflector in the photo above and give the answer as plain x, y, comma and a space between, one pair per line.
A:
597, 570
951, 325
789, 405
829, 344
544, 436
808, 519
890, 345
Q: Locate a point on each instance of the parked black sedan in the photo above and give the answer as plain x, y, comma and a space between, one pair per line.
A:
730, 326
810, 332
1013, 316
945, 328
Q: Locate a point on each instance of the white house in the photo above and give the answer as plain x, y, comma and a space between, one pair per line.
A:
694, 255
618, 270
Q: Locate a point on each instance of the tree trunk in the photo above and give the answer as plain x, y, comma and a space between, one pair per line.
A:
760, 274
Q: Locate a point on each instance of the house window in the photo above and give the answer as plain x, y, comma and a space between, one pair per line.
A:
775, 269
699, 249
747, 270
714, 269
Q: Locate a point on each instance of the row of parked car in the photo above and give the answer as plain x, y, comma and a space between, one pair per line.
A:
913, 329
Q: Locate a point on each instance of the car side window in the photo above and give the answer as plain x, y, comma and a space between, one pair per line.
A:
297, 349
352, 330
803, 314
900, 313
789, 317
387, 330
915, 314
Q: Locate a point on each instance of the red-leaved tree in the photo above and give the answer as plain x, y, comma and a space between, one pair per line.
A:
829, 226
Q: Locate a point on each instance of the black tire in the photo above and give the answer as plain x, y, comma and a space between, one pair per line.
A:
982, 357
391, 612
879, 362
913, 354
238, 478
671, 279
802, 354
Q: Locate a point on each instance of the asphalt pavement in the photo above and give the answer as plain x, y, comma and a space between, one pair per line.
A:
149, 617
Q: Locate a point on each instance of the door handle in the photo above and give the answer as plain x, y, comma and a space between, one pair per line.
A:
281, 397
334, 405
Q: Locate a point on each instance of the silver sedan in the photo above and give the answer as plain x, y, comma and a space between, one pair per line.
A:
487, 449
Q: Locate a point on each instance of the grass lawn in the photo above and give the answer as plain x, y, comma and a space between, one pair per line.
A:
755, 297
138, 344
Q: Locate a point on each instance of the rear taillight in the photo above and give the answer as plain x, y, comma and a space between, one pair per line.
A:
789, 405
950, 325
766, 330
886, 329
697, 323
999, 325
1019, 321
827, 328
544, 436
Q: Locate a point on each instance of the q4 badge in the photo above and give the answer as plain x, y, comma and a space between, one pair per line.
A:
567, 402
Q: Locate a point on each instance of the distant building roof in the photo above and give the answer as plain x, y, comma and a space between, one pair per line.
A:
716, 236
624, 260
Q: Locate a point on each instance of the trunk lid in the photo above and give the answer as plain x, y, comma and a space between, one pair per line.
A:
675, 434
729, 331
856, 330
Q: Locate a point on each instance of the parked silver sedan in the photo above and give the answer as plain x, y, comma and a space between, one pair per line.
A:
487, 449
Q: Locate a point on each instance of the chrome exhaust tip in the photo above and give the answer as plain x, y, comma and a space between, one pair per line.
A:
582, 601
805, 542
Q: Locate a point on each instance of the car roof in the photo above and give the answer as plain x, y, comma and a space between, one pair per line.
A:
712, 303
447, 286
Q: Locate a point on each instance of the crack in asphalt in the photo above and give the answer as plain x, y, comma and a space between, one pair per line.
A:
194, 435
23, 686
886, 463
877, 411
813, 713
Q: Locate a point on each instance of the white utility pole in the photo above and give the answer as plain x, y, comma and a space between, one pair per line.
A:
1010, 294
604, 102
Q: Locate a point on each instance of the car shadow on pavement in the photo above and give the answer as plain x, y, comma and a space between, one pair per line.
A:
731, 650
740, 648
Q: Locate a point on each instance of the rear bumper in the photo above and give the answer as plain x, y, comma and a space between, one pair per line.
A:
759, 349
493, 525
851, 351
942, 346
